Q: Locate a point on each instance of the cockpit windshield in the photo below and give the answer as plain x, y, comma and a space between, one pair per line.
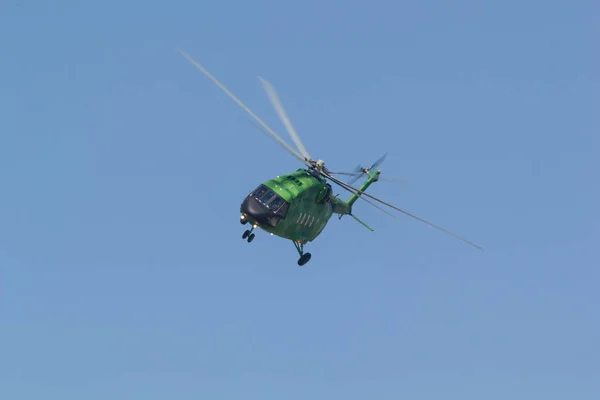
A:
271, 199
260, 192
267, 196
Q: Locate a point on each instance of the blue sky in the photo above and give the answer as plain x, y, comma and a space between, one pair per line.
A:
123, 271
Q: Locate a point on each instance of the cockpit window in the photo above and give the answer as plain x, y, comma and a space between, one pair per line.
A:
272, 200
282, 212
265, 199
260, 191
275, 203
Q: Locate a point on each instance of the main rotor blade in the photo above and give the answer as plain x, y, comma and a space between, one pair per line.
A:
381, 177
381, 209
259, 128
267, 128
284, 117
345, 173
354, 190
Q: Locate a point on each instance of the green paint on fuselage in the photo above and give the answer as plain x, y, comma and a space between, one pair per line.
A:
311, 204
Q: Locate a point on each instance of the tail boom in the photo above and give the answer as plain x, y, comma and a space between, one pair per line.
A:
373, 177
345, 207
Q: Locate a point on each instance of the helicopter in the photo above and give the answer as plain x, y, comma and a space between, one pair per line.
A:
297, 206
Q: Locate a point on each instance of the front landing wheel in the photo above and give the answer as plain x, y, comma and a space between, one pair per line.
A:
304, 259
251, 237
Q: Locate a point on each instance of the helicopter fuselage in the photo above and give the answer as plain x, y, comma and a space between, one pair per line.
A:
295, 206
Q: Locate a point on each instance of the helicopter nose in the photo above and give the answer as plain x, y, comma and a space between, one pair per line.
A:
256, 210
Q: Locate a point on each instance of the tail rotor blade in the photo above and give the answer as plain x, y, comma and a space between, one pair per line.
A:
353, 180
376, 163
284, 117
358, 172
273, 134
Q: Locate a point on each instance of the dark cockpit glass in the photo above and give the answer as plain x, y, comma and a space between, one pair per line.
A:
272, 200
260, 191
265, 199
275, 203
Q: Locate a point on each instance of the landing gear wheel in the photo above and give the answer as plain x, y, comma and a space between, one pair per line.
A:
251, 238
246, 234
304, 259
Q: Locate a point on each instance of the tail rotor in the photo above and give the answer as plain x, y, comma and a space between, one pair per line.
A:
361, 170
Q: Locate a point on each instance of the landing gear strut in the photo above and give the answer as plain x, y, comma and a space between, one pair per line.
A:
248, 235
304, 257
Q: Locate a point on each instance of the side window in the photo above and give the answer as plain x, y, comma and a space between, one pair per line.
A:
324, 194
282, 212
275, 203
294, 179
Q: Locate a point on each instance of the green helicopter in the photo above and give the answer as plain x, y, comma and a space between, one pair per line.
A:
297, 206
